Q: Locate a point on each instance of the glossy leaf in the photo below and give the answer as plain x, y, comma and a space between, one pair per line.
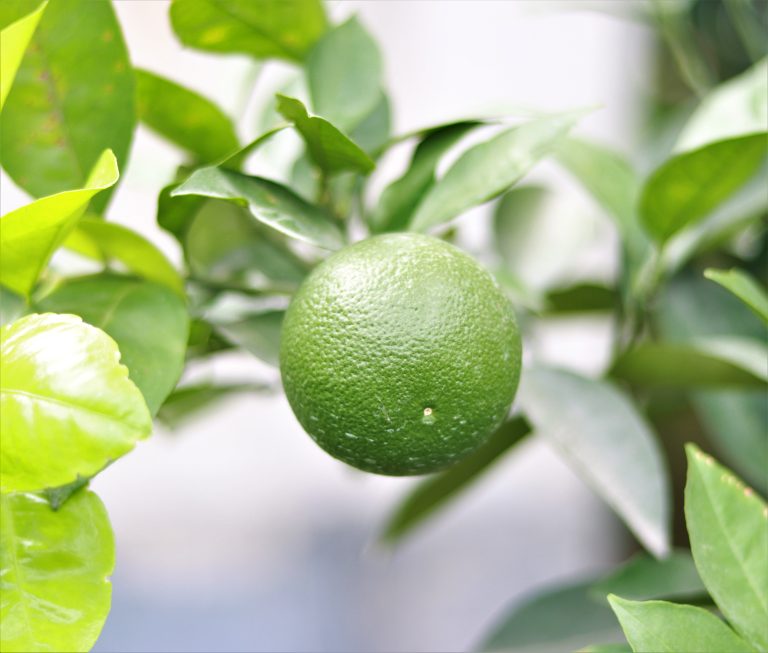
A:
52, 135
13, 43
344, 75
282, 29
258, 334
604, 438
690, 185
643, 577
539, 625
224, 243
432, 494
728, 527
744, 287
148, 322
185, 118
30, 234
269, 202
188, 401
108, 241
68, 406
399, 200
488, 169
734, 108
652, 626
713, 361
329, 148
55, 568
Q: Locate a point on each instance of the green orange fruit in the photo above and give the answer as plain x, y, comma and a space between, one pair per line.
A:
400, 354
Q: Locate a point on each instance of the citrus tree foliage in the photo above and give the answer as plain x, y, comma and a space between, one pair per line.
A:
89, 361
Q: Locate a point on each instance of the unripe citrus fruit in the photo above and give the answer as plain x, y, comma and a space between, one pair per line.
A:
400, 354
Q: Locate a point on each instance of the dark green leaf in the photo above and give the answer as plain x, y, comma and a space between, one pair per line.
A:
67, 406
108, 241
488, 169
329, 148
654, 626
713, 361
55, 568
689, 186
283, 29
73, 97
188, 401
606, 440
148, 321
175, 214
744, 287
399, 200
344, 75
31, 234
432, 494
269, 202
729, 539
14, 40
185, 118
643, 577
580, 298
562, 619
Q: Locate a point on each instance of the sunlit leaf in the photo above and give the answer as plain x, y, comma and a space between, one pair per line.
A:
269, 202
185, 118
744, 287
148, 322
488, 169
432, 494
662, 626
13, 43
689, 186
344, 75
329, 148
30, 234
605, 439
55, 568
67, 404
728, 527
283, 29
108, 241
399, 200
72, 98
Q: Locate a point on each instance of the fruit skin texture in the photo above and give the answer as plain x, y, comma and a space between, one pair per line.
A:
400, 354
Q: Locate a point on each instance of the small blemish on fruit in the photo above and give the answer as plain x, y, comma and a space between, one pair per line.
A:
428, 417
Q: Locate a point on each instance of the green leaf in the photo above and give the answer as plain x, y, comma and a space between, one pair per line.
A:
643, 577
68, 406
488, 169
108, 241
659, 626
689, 186
561, 619
728, 527
55, 568
606, 648
744, 287
580, 298
148, 322
282, 29
432, 494
73, 97
175, 214
344, 75
271, 203
258, 334
714, 361
329, 148
32, 233
372, 133
734, 108
185, 118
13, 43
225, 244
187, 402
399, 200
605, 439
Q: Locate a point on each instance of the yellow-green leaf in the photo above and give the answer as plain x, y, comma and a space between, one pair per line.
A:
13, 43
